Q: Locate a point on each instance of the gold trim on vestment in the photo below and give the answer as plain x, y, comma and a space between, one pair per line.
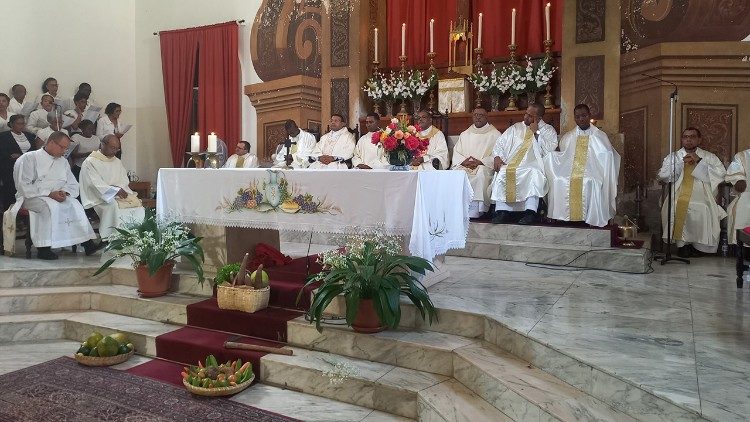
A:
683, 201
510, 172
240, 162
575, 198
433, 131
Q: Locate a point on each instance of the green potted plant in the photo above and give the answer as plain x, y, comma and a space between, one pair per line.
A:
372, 275
154, 244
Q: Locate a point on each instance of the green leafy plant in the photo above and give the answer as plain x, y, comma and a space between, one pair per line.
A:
153, 242
371, 266
226, 274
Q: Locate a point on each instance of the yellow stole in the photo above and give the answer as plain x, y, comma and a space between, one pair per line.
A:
683, 201
510, 172
429, 135
576, 178
240, 162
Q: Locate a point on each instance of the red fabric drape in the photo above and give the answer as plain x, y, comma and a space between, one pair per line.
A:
178, 56
417, 14
219, 83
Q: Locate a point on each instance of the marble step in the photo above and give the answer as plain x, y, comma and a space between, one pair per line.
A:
575, 236
631, 260
51, 277
44, 299
183, 281
20, 327
450, 401
124, 300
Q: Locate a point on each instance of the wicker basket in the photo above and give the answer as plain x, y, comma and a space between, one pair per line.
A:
218, 391
103, 361
242, 298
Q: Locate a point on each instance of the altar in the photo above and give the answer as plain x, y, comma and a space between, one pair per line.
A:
430, 209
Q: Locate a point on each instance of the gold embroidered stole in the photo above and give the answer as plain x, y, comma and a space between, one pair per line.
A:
510, 172
575, 200
683, 201
240, 162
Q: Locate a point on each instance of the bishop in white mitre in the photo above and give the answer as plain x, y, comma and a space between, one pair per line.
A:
473, 154
104, 187
583, 175
695, 213
301, 144
520, 180
366, 154
241, 159
739, 210
47, 188
335, 147
437, 149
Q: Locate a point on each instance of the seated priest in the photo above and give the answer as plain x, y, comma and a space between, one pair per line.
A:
335, 147
739, 210
242, 159
473, 154
38, 118
520, 180
436, 156
104, 187
295, 149
695, 213
46, 187
13, 143
583, 175
366, 154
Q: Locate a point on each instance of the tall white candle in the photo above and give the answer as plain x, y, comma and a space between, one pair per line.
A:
403, 39
546, 17
513, 28
432, 35
212, 142
479, 32
376, 45
195, 142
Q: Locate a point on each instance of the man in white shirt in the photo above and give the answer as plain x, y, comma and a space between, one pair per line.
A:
53, 126
473, 154
104, 187
46, 187
583, 175
438, 148
520, 181
300, 145
335, 147
366, 154
18, 92
242, 159
38, 118
739, 209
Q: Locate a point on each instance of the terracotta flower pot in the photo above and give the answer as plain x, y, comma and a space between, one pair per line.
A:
157, 284
367, 320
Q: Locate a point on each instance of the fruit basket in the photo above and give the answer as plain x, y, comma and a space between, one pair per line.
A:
213, 379
100, 350
246, 298
102, 361
218, 391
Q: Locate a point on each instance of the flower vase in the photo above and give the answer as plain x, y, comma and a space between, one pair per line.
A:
400, 159
367, 320
530, 98
388, 108
495, 98
416, 105
154, 285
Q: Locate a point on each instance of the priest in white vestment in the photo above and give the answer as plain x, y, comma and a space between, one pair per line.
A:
335, 147
38, 118
437, 149
300, 145
583, 175
46, 187
104, 187
520, 180
366, 154
695, 214
739, 210
473, 154
242, 159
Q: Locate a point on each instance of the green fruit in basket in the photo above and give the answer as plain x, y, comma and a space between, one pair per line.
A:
94, 339
121, 338
94, 352
85, 350
107, 347
123, 349
263, 279
130, 346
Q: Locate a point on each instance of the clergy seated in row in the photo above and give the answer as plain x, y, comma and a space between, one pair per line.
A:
518, 161
695, 213
366, 154
53, 125
84, 143
473, 154
242, 159
436, 156
4, 112
300, 145
13, 143
739, 210
38, 118
583, 176
104, 187
335, 147
46, 187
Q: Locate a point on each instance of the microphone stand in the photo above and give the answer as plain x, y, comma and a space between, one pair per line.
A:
670, 196
288, 146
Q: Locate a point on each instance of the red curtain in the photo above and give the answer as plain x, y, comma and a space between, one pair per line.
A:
417, 14
178, 56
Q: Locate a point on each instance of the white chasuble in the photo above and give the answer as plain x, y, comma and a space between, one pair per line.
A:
53, 224
583, 178
522, 175
247, 161
300, 149
369, 154
695, 213
477, 143
339, 145
438, 148
101, 178
739, 210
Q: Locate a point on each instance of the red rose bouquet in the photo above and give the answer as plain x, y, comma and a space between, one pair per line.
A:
401, 141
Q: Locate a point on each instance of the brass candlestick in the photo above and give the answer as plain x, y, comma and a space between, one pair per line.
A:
376, 73
512, 101
477, 94
195, 159
431, 102
212, 160
402, 73
548, 55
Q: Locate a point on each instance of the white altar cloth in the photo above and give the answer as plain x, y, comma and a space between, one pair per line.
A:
430, 207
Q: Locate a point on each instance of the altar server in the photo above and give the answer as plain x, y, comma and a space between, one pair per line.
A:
695, 213
301, 145
583, 175
366, 154
520, 180
335, 147
38, 118
242, 157
437, 149
473, 154
739, 210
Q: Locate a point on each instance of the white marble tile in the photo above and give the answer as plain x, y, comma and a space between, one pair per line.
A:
451, 401
19, 355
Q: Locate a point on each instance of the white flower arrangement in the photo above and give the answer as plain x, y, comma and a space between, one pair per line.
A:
531, 78
393, 87
418, 86
494, 83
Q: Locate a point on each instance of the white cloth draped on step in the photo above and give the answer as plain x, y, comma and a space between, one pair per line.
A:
739, 210
477, 143
339, 144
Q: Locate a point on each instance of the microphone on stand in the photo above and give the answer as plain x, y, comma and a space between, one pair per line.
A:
288, 146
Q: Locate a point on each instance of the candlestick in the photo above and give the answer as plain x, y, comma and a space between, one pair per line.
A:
479, 33
431, 103
513, 28
212, 142
432, 35
375, 59
195, 142
512, 101
195, 160
546, 18
512, 49
403, 39
477, 93
548, 96
402, 74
